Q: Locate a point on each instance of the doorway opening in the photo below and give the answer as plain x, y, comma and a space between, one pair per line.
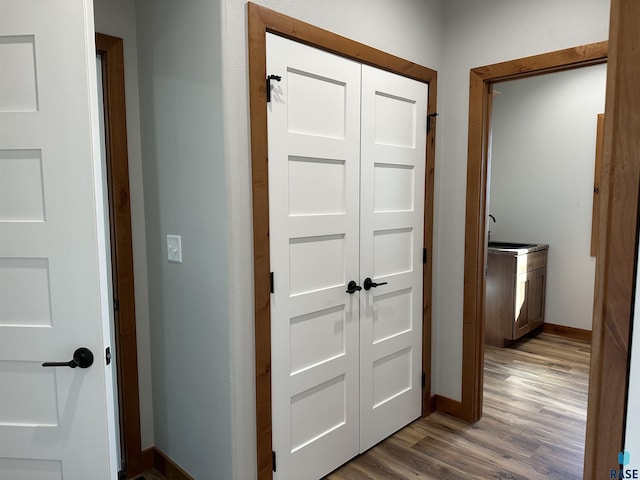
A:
483, 80
540, 275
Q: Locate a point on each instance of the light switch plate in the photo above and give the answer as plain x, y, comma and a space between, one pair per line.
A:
174, 248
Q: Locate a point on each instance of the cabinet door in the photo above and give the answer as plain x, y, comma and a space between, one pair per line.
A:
536, 279
521, 305
529, 301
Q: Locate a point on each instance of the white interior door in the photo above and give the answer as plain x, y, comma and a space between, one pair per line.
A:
54, 422
392, 165
314, 143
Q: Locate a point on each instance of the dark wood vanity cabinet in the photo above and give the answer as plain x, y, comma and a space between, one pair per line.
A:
515, 293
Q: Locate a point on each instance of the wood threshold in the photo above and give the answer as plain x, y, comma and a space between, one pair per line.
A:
117, 167
568, 332
260, 21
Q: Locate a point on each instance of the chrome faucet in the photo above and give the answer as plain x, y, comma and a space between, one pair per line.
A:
494, 221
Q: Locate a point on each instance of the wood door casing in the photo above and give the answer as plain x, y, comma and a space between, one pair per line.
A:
261, 20
117, 161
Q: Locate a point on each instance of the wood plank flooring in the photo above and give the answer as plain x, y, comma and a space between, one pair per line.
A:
535, 402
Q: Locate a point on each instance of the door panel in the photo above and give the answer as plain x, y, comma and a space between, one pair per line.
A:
53, 421
391, 231
314, 142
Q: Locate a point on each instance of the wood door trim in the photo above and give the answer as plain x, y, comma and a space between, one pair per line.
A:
117, 162
260, 21
616, 256
475, 256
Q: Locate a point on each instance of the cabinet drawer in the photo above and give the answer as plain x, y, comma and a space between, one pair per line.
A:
532, 261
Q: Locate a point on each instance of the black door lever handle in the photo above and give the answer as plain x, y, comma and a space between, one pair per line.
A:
369, 284
82, 357
353, 287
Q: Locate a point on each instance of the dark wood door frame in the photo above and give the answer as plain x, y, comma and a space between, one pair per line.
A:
117, 162
262, 20
616, 259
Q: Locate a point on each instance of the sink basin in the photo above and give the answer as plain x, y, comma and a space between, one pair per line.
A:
510, 245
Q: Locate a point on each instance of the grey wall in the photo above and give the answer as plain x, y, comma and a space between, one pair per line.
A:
481, 33
412, 29
542, 167
180, 74
117, 18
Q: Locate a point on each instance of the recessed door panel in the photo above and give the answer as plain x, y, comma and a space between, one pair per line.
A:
30, 469
25, 292
18, 86
21, 187
327, 103
317, 337
393, 188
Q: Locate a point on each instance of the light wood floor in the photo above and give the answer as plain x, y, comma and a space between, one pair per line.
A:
535, 402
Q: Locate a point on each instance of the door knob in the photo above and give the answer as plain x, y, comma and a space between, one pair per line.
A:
82, 358
353, 287
369, 284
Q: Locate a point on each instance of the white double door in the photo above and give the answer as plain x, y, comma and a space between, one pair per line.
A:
346, 198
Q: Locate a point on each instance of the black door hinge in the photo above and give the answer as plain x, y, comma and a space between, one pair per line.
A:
273, 460
271, 286
429, 117
424, 255
107, 355
277, 78
116, 305
424, 379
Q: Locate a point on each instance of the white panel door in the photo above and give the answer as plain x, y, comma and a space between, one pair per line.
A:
314, 141
53, 421
391, 237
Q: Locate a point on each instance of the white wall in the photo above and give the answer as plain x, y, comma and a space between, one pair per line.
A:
409, 28
481, 33
180, 74
632, 435
117, 18
542, 167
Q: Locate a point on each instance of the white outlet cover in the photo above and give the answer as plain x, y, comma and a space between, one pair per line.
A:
174, 248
